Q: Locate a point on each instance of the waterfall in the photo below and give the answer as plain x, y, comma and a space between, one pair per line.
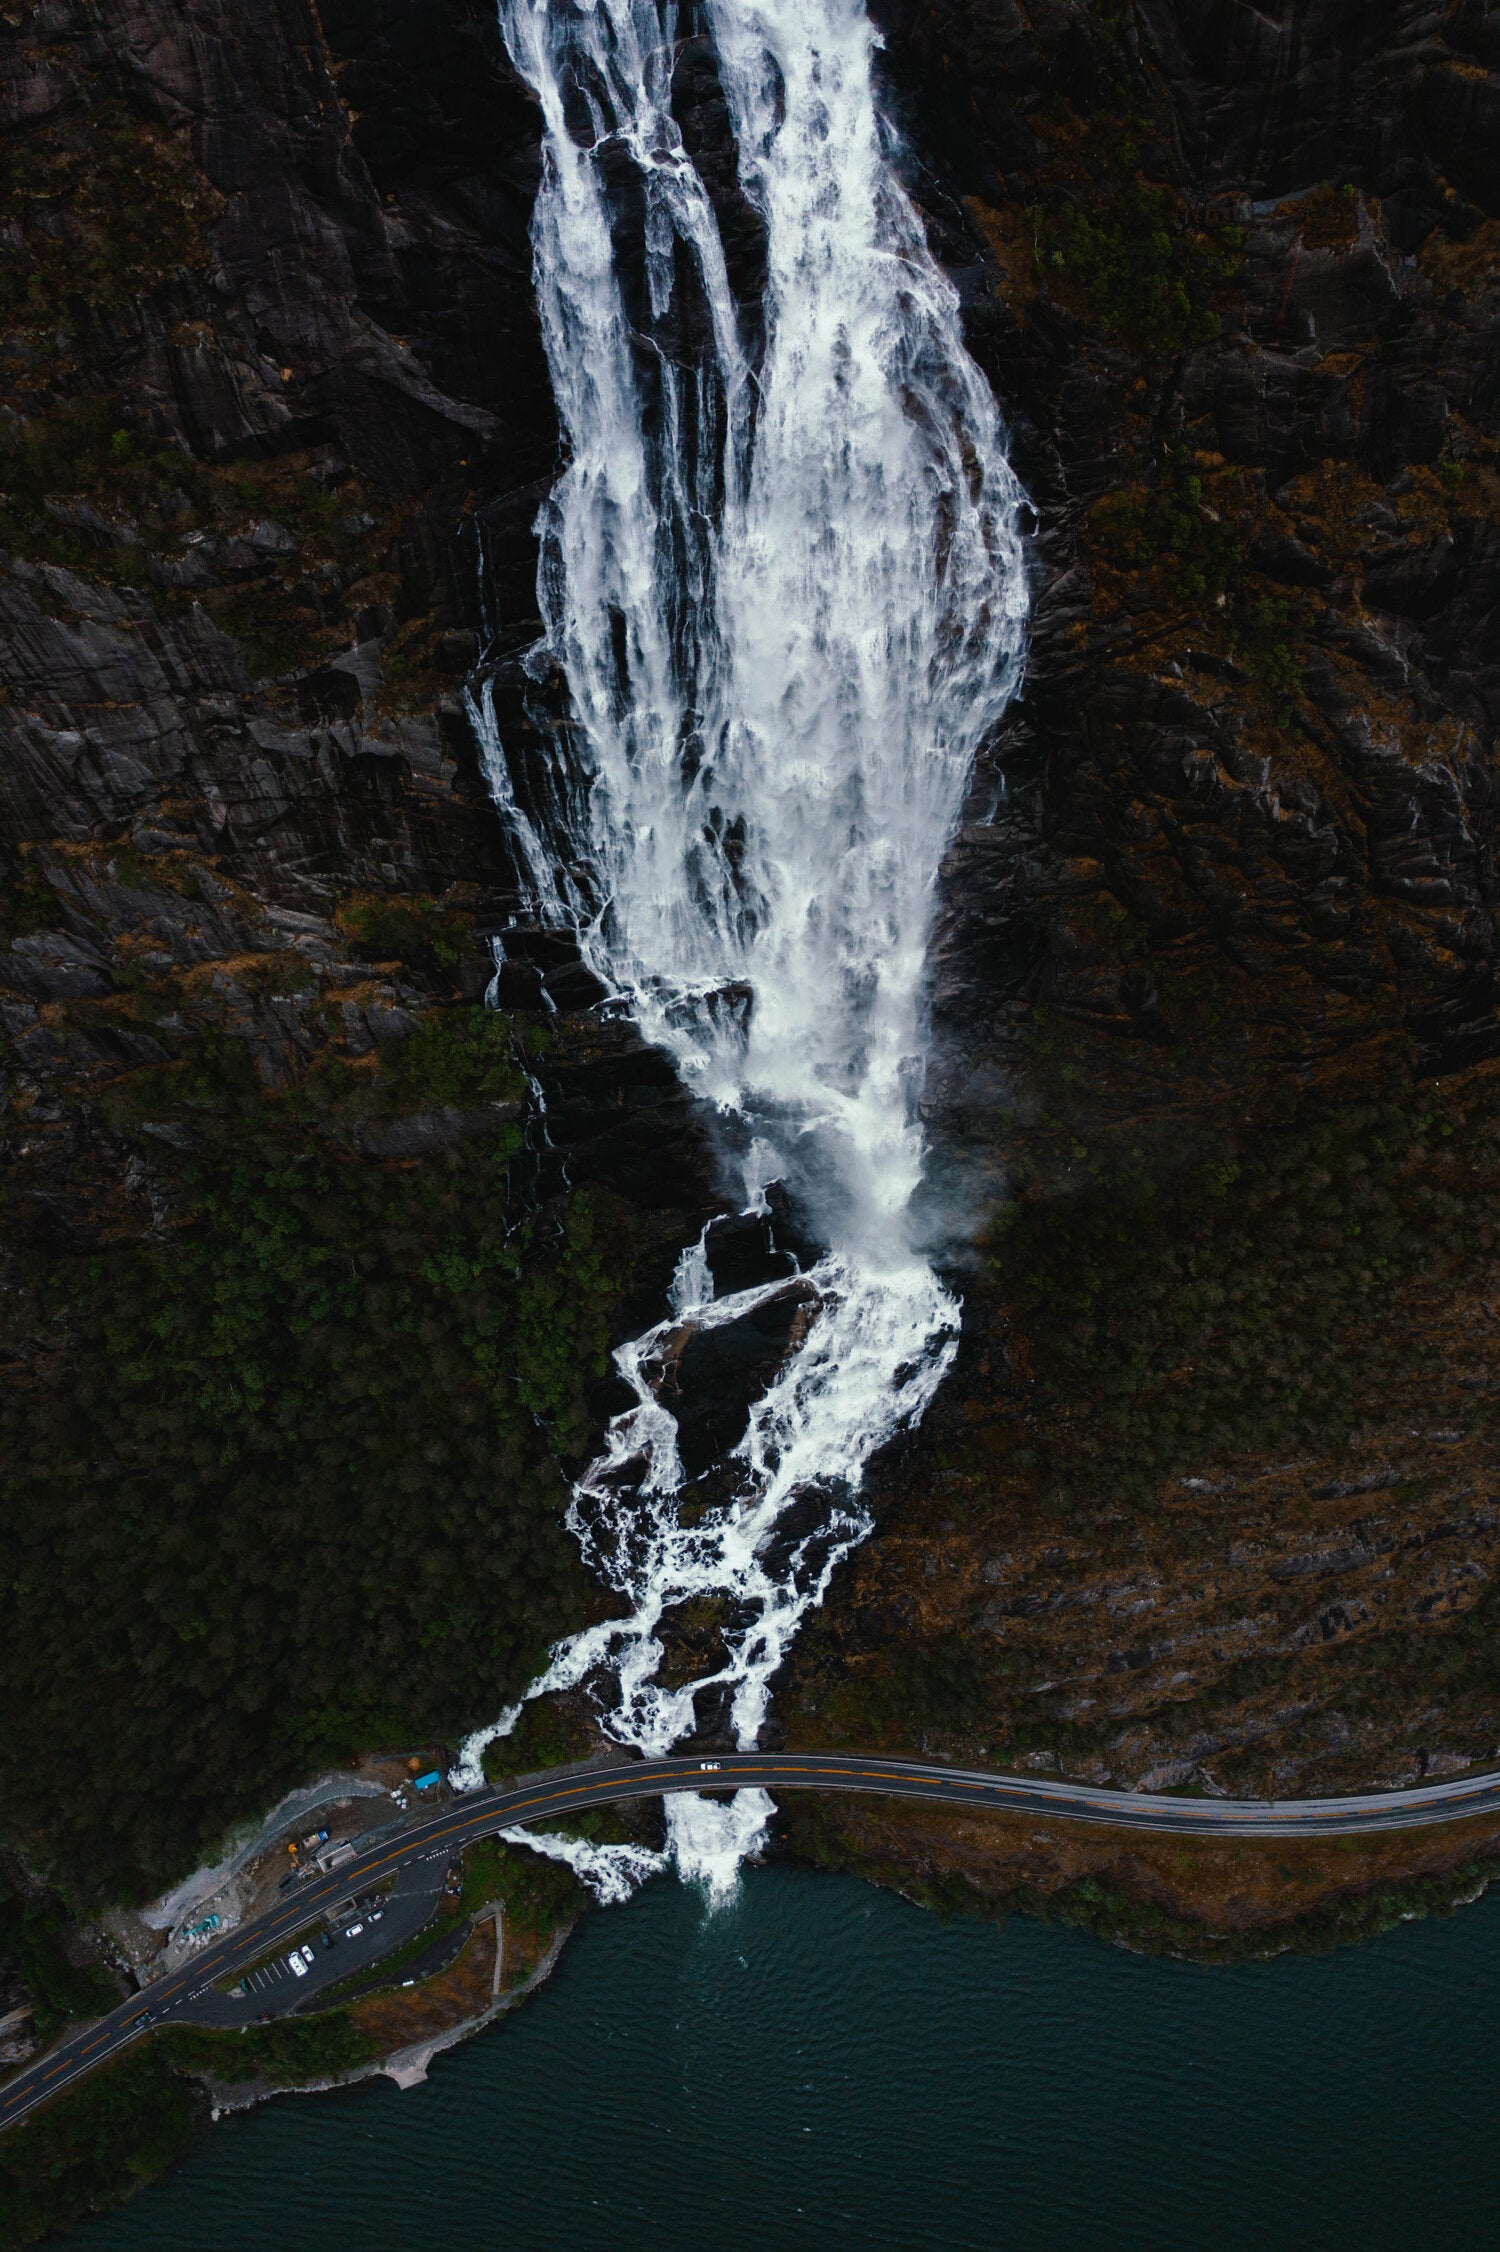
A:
782, 579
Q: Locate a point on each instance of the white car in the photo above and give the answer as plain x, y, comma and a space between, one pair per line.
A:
709, 1766
296, 1966
353, 1931
307, 1955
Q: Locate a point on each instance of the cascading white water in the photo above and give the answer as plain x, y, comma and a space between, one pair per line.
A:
784, 585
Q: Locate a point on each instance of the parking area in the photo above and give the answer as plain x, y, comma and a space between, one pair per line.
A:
282, 1970
354, 1935
346, 1922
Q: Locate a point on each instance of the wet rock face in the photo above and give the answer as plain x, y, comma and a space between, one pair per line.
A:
712, 1377
1238, 286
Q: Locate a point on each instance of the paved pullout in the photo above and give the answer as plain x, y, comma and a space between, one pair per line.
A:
481, 1813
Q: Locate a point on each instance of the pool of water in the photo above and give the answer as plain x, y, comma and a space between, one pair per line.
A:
818, 2064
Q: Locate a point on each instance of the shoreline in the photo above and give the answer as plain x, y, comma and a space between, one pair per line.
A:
406, 2067
1125, 1902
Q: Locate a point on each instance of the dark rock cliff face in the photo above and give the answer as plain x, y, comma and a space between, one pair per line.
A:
1215, 976
295, 378
312, 325
1246, 319
1220, 917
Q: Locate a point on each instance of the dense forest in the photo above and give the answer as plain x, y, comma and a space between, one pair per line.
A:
284, 1482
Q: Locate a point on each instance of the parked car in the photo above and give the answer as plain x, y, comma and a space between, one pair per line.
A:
296, 1966
352, 1931
307, 1955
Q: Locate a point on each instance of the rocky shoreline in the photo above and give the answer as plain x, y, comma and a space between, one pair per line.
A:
407, 2063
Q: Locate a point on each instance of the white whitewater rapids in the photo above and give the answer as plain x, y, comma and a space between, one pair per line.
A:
783, 581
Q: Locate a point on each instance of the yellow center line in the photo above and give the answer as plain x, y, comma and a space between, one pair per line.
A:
244, 1947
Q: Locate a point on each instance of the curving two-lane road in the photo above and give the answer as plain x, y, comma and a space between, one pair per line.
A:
566, 1792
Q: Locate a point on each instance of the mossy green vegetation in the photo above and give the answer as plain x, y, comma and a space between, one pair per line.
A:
1183, 1303
1197, 551
549, 1733
1170, 524
119, 507
1142, 273
280, 1477
1113, 239
27, 903
125, 2127
291, 2053
33, 1943
458, 1056
411, 929
539, 1895
937, 1684
96, 2146
105, 205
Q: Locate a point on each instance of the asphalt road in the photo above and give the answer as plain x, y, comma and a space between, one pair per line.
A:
408, 1907
172, 2000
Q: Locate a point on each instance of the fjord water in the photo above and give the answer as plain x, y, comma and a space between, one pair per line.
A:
818, 2066
782, 582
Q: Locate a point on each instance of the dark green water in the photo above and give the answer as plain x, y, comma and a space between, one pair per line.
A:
819, 2065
